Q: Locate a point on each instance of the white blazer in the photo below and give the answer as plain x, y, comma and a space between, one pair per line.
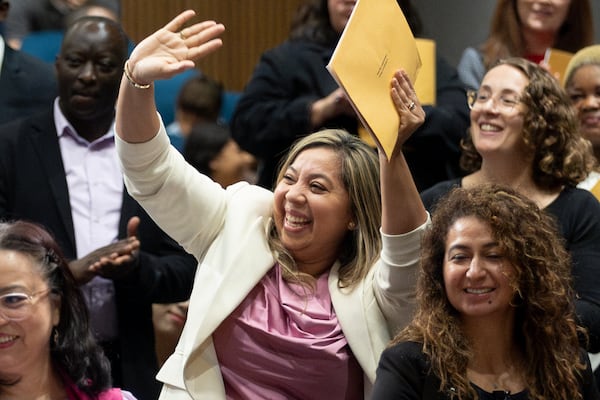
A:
226, 231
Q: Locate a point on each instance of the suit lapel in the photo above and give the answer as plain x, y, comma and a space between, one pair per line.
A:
45, 144
9, 74
352, 308
10, 65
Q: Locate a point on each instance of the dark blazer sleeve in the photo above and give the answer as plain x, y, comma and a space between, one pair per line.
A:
165, 271
27, 85
272, 113
274, 109
578, 215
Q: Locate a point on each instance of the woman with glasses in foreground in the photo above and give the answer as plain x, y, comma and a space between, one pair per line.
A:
46, 348
525, 135
298, 290
495, 316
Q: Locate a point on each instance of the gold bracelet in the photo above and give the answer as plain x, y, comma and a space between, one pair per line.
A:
130, 79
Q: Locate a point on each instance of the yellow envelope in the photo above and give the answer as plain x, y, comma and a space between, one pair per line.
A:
425, 84
375, 43
558, 60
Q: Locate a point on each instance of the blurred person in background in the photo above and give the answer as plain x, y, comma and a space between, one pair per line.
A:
291, 94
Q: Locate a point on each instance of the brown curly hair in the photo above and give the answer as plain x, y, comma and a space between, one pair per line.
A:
545, 327
561, 156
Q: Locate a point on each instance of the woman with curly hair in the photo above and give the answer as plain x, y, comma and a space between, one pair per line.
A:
527, 28
47, 350
495, 316
525, 134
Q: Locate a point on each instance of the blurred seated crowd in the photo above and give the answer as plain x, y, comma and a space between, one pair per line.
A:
98, 279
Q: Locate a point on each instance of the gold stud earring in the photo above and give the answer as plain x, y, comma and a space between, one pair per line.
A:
351, 225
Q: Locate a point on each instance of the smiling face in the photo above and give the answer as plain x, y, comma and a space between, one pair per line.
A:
543, 16
476, 272
25, 344
339, 13
312, 209
89, 69
584, 91
495, 127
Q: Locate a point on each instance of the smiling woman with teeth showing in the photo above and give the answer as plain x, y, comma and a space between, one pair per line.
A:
525, 134
47, 351
297, 292
495, 316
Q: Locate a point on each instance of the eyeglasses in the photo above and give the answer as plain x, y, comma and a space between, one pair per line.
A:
17, 306
505, 102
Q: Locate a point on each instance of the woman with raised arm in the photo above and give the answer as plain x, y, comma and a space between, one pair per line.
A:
298, 290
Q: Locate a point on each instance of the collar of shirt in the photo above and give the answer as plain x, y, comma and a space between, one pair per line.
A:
64, 127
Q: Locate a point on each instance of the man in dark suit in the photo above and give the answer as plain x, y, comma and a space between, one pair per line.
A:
61, 169
27, 84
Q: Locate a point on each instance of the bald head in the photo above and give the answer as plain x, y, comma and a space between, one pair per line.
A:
100, 29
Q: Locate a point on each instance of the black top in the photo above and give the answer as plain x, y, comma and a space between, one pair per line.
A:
577, 213
404, 373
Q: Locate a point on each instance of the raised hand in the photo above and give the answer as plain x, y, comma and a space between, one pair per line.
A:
173, 48
407, 106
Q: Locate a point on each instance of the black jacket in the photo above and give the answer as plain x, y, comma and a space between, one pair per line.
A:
27, 85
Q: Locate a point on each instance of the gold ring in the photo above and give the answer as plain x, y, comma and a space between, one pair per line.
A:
181, 35
411, 106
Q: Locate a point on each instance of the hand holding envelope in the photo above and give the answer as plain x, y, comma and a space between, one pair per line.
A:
376, 42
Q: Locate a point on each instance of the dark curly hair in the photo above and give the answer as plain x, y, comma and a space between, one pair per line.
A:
74, 352
561, 156
545, 327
